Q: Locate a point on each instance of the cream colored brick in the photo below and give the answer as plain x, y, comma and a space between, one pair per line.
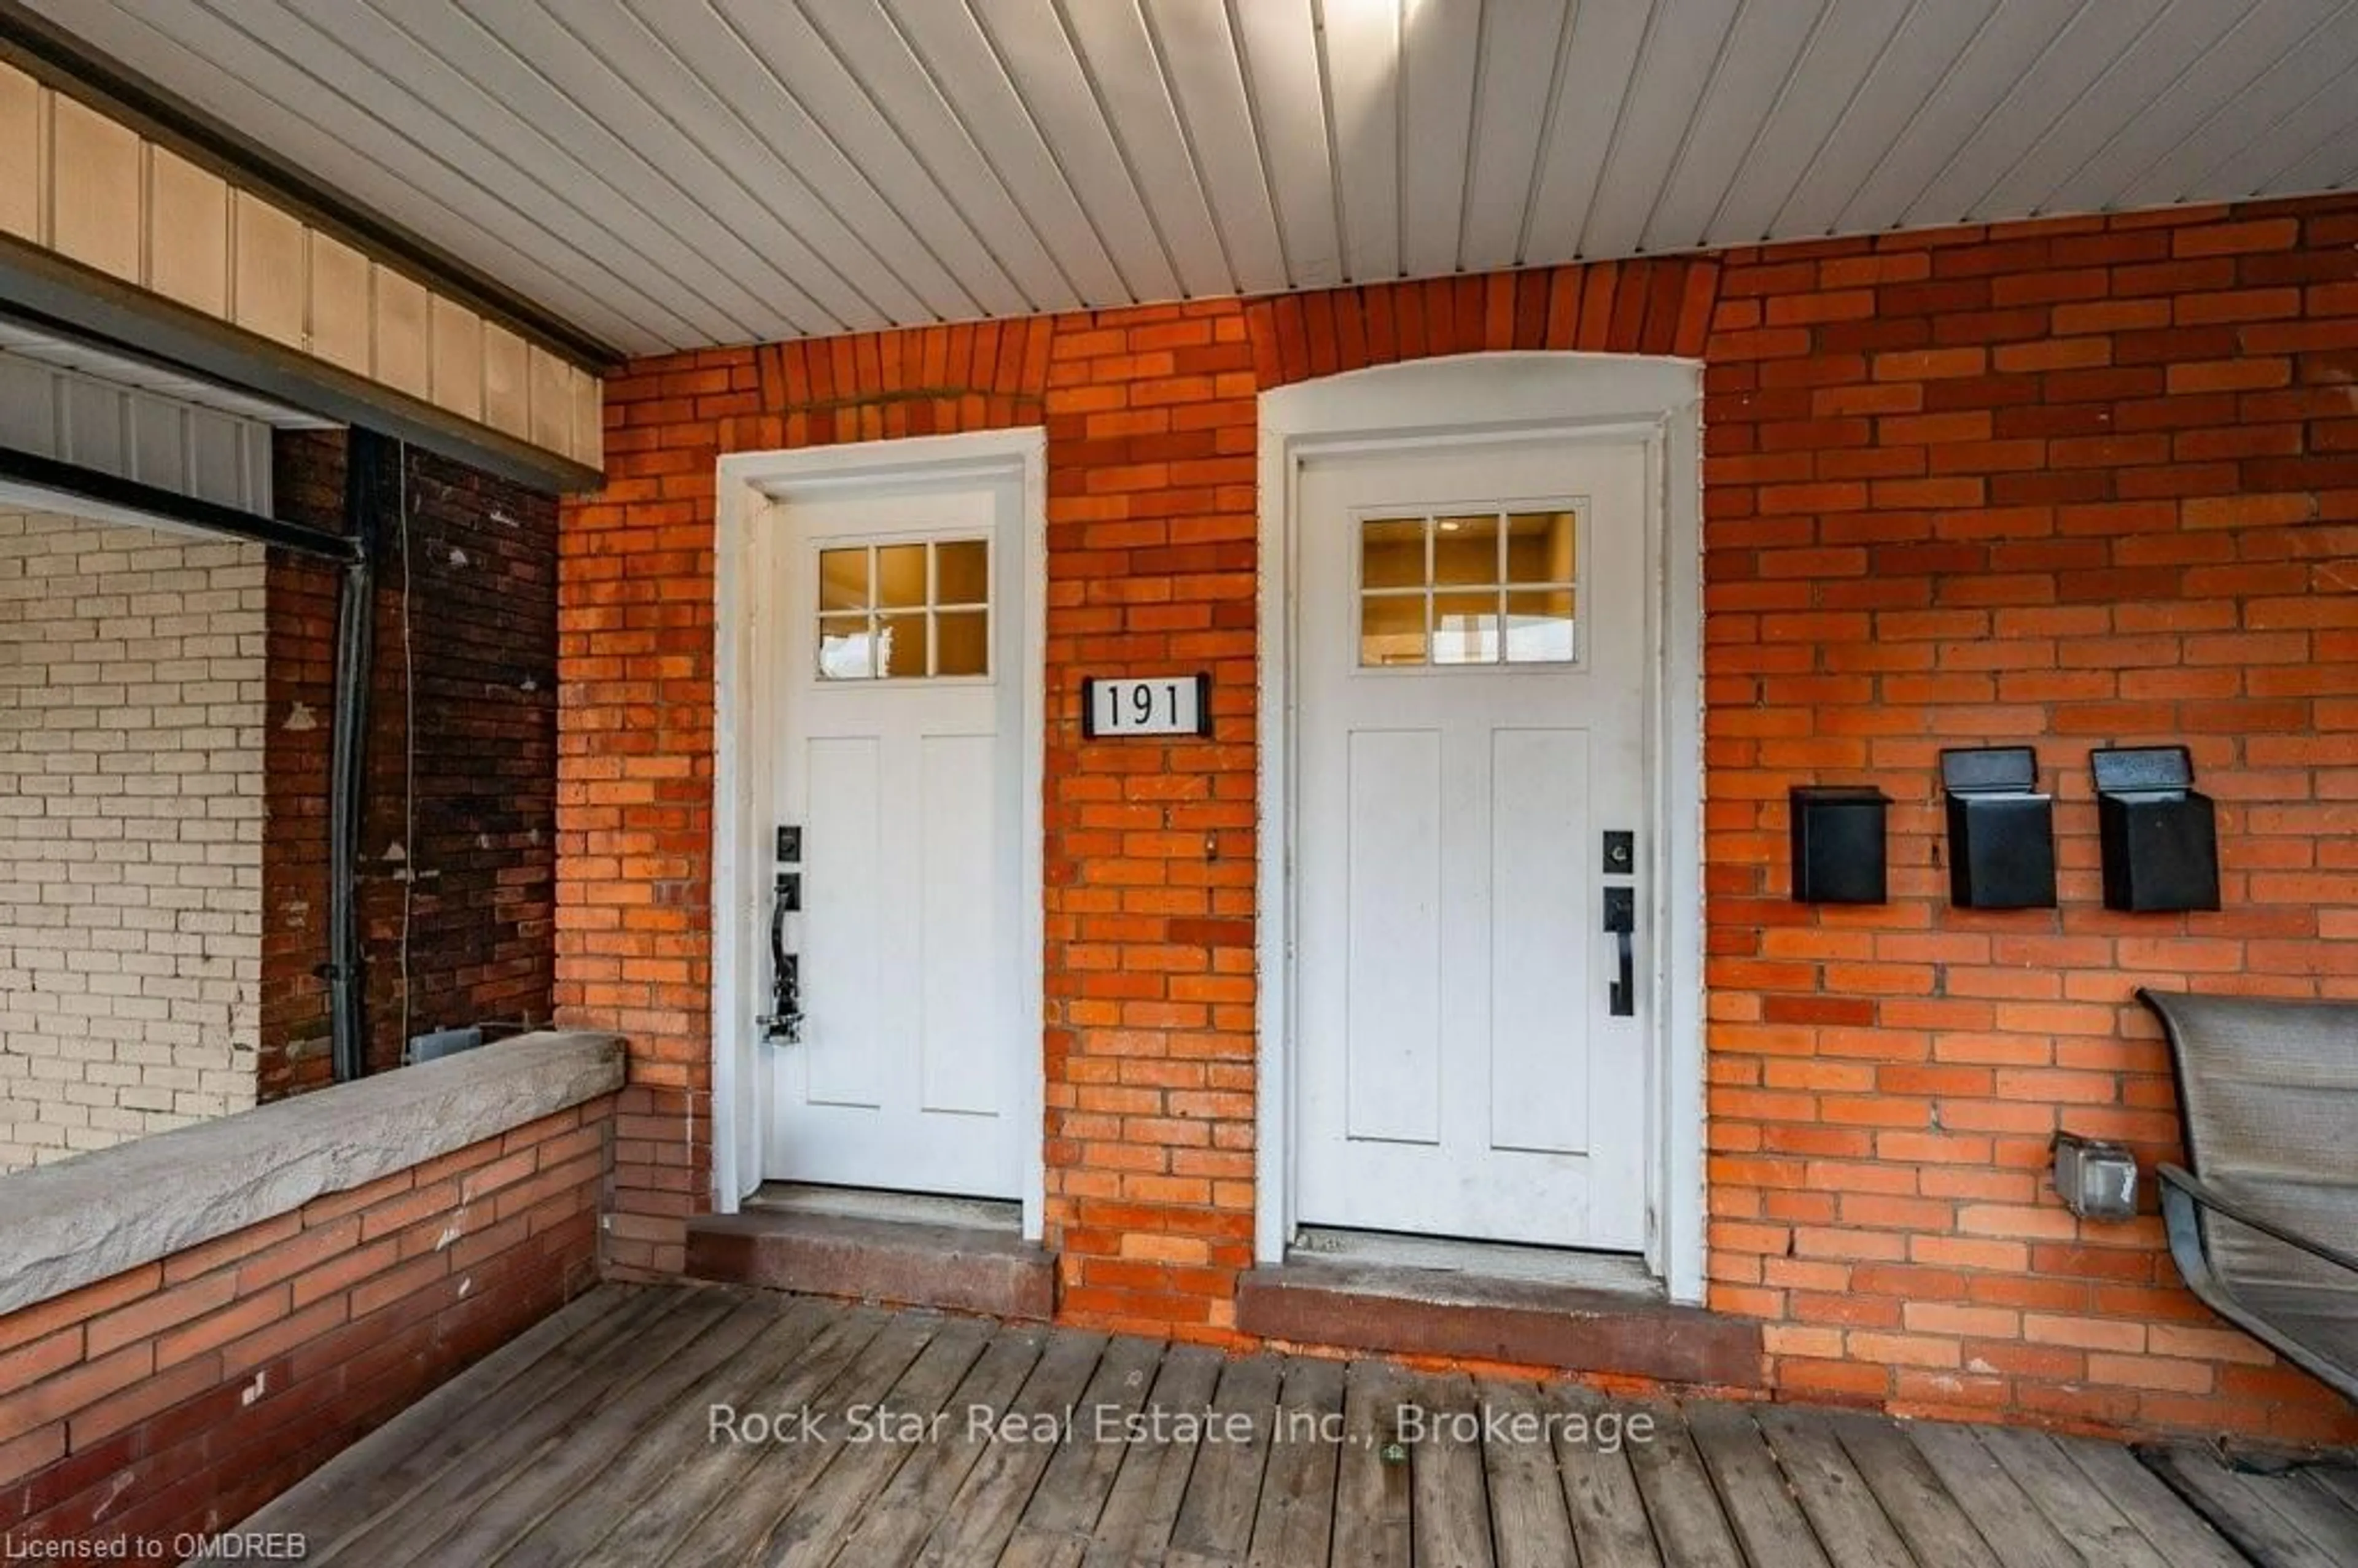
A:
131, 803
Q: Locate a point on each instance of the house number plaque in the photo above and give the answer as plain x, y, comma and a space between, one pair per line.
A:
1146, 705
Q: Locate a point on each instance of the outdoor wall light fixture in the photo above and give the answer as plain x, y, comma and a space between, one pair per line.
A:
2001, 835
2097, 1180
2161, 836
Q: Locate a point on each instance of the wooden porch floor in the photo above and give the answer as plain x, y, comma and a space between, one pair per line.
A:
588, 1441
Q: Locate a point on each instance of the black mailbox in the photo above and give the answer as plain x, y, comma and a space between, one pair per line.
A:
2160, 836
2001, 833
1838, 843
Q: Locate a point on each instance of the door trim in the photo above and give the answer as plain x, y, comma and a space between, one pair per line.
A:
744, 703
1492, 396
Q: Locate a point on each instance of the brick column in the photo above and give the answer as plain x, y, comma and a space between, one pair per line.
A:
1150, 844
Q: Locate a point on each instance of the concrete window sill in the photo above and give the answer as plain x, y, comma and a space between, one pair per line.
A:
88, 1219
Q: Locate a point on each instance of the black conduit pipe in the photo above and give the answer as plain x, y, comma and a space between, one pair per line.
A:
372, 468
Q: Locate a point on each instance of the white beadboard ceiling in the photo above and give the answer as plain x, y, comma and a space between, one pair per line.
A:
677, 173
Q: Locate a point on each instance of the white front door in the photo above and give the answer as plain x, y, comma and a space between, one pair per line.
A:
1471, 656
898, 755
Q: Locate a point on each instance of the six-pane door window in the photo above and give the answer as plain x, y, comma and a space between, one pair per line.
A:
1468, 588
905, 612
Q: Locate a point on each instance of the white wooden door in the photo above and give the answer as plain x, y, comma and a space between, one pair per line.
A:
898, 754
1471, 656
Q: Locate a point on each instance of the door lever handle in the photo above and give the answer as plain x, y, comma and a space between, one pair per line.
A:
1621, 924
783, 1022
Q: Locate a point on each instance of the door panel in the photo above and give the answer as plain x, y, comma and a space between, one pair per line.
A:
1394, 1037
897, 635
1470, 646
957, 976
843, 847
1540, 883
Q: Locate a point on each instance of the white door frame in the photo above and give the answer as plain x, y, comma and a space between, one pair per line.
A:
745, 702
1490, 396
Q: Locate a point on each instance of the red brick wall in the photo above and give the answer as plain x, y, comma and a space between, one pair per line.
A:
1151, 846
180, 1396
2078, 483
635, 640
481, 867
2075, 483
308, 485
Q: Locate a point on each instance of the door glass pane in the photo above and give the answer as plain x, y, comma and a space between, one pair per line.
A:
1539, 626
1465, 628
901, 646
909, 581
842, 579
961, 643
845, 651
1391, 553
1391, 629
1498, 590
962, 572
900, 574
1466, 550
1540, 546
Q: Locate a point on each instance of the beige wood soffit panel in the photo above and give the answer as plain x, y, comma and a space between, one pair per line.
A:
78, 183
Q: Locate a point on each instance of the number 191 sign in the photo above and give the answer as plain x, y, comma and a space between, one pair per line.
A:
1147, 705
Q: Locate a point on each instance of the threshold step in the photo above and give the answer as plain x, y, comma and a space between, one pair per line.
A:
1407, 1310
900, 1262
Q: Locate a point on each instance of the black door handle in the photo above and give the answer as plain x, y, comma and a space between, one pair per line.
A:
1621, 924
783, 1021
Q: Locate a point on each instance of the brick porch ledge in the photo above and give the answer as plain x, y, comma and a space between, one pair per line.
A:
91, 1218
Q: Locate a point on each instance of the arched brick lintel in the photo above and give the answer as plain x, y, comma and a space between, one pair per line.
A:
1655, 306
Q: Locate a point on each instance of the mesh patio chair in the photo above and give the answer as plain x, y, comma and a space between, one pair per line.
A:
2264, 1229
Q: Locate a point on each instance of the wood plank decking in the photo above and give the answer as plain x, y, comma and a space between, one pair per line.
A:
589, 1440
